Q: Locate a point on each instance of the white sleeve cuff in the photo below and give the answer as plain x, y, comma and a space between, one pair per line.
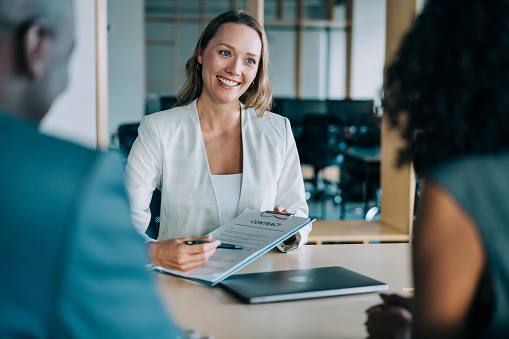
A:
290, 247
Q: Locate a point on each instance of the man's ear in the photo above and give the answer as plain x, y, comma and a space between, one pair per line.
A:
34, 50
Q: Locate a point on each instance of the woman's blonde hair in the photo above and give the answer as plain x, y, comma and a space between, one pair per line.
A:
259, 95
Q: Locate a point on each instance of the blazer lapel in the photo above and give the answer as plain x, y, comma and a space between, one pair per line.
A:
247, 161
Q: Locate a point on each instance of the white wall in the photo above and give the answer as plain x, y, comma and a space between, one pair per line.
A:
317, 79
368, 48
281, 62
165, 68
314, 64
337, 64
126, 62
160, 58
323, 56
73, 115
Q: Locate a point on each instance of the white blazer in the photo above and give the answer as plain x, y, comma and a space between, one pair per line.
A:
169, 154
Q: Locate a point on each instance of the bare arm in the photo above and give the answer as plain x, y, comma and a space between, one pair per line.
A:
448, 259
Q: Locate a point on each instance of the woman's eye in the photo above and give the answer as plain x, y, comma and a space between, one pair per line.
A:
225, 53
251, 61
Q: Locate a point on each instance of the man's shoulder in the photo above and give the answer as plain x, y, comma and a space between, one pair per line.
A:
30, 152
25, 135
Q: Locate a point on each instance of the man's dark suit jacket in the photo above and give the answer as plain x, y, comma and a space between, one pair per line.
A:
72, 265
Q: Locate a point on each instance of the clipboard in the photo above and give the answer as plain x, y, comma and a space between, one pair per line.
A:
256, 231
278, 215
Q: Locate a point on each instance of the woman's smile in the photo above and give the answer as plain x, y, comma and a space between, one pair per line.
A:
227, 83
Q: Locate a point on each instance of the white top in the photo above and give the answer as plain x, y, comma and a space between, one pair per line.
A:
170, 154
228, 194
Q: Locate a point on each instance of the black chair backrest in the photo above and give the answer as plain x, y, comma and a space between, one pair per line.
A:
168, 102
296, 110
367, 135
127, 134
321, 137
352, 112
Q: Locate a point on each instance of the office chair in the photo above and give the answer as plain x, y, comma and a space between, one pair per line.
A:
367, 132
322, 137
127, 134
296, 109
355, 185
362, 129
167, 102
155, 215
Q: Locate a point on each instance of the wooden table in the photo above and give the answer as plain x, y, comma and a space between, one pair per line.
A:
213, 311
354, 231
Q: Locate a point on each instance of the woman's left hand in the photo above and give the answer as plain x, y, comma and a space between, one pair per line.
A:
281, 209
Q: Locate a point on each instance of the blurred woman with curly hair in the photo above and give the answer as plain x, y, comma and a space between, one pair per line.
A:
448, 94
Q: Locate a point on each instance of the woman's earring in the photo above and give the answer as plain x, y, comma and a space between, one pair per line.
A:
198, 66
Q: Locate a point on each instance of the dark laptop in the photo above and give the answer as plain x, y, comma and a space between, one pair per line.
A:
254, 288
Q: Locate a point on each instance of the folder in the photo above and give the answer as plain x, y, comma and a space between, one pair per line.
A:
256, 231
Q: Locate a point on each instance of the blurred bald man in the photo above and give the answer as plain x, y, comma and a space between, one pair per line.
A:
72, 265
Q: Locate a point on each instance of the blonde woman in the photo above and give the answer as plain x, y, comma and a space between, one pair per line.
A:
218, 151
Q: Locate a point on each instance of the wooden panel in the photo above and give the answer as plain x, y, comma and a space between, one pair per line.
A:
400, 17
298, 48
101, 25
398, 184
255, 7
349, 38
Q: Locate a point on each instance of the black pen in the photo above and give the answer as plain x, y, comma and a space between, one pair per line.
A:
229, 246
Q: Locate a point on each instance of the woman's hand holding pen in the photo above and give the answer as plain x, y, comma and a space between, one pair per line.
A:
174, 254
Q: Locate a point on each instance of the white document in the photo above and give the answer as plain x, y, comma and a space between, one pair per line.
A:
257, 232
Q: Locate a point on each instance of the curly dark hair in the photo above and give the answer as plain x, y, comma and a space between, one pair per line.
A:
448, 89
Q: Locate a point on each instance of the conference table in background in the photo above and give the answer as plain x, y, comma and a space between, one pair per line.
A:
213, 311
